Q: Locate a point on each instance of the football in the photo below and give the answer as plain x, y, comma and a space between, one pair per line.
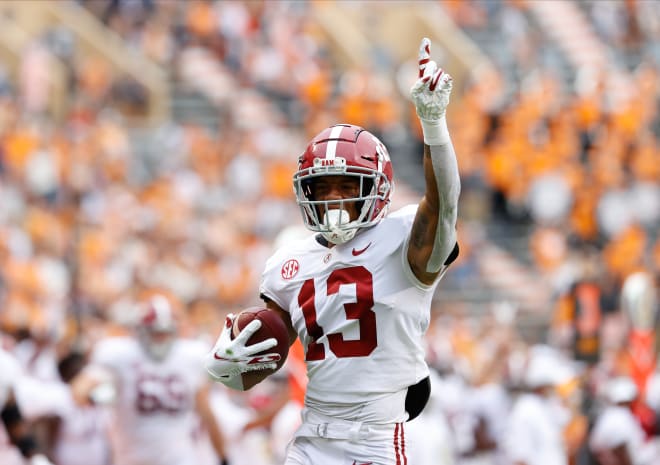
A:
271, 326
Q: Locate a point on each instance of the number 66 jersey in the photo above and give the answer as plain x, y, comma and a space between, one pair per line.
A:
154, 414
361, 316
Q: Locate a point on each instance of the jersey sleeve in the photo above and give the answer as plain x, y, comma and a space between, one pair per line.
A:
37, 398
270, 286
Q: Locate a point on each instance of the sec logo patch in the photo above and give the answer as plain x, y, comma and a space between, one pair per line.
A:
290, 269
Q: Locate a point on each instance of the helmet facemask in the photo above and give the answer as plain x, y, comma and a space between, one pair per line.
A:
349, 151
157, 329
157, 344
334, 224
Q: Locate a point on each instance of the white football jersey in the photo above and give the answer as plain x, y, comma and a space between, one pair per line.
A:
361, 315
82, 434
534, 432
617, 425
153, 420
10, 372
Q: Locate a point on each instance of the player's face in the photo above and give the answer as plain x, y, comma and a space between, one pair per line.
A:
338, 188
157, 343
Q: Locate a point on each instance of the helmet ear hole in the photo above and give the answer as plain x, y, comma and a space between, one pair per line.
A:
307, 188
367, 186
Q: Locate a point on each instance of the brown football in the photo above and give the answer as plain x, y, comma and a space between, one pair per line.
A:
271, 326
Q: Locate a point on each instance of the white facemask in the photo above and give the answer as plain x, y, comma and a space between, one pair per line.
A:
159, 350
336, 221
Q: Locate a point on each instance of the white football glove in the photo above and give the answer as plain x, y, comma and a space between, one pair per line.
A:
430, 94
231, 357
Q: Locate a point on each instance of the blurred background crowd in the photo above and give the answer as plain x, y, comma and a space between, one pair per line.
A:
147, 147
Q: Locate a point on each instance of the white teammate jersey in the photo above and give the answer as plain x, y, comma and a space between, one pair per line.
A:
82, 434
153, 418
10, 372
534, 432
361, 315
617, 425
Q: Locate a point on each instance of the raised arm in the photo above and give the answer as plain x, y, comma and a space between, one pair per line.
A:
432, 242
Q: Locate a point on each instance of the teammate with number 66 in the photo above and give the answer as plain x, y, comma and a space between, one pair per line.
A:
357, 292
157, 391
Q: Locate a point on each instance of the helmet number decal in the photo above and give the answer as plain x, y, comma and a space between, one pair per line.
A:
360, 310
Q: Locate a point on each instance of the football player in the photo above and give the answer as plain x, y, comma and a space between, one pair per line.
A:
155, 385
16, 437
617, 436
358, 293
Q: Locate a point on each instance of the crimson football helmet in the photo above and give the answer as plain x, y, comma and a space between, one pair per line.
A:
157, 327
344, 150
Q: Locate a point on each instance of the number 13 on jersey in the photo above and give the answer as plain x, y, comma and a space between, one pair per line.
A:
360, 310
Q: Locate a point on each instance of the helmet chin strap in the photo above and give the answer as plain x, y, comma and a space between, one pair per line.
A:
335, 220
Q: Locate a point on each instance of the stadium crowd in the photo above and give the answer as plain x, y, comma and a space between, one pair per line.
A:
90, 226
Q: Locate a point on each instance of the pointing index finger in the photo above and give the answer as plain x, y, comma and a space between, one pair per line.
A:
424, 54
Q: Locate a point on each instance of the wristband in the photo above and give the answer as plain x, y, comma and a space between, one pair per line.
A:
435, 132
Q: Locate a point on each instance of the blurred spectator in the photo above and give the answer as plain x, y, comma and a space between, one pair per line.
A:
535, 428
617, 437
583, 308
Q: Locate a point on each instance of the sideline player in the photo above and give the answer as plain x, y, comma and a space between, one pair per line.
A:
358, 293
17, 441
156, 388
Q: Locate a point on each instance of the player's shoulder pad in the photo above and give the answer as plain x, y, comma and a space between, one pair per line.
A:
404, 216
404, 212
114, 350
295, 246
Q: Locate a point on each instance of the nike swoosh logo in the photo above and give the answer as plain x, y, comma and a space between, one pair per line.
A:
361, 463
359, 252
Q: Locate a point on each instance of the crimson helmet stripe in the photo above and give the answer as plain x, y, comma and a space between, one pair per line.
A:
333, 138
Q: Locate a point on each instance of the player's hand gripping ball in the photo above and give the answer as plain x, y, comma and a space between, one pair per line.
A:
272, 326
255, 340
